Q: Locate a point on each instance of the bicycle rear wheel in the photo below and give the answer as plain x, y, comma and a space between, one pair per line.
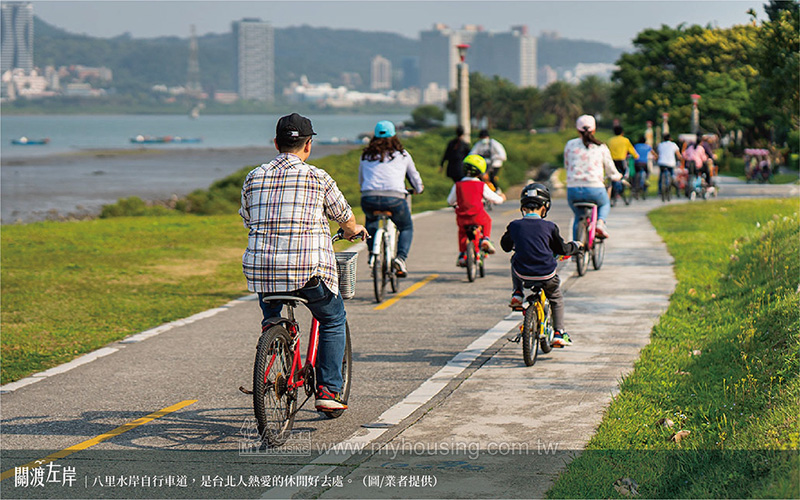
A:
380, 268
274, 403
530, 335
481, 270
598, 253
665, 184
582, 259
472, 265
347, 372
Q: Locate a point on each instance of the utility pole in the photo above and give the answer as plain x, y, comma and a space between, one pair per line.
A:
695, 114
463, 90
193, 73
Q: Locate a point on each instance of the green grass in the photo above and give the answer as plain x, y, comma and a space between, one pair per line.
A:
722, 363
69, 288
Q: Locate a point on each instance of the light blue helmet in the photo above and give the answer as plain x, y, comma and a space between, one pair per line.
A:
384, 128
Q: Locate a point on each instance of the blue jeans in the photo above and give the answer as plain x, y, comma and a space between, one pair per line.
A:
596, 195
665, 171
328, 309
401, 216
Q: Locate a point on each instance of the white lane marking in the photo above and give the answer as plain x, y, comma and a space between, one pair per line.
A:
358, 442
86, 358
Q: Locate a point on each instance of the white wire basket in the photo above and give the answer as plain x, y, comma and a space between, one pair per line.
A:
346, 267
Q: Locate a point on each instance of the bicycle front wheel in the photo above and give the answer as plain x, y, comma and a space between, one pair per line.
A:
347, 372
274, 403
582, 259
530, 335
472, 265
391, 253
546, 337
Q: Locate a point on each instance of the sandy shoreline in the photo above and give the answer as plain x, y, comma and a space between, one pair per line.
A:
77, 184
319, 150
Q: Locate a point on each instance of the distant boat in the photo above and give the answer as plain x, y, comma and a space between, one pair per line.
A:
167, 139
24, 141
194, 114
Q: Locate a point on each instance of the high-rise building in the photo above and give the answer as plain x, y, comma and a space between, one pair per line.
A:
16, 49
381, 73
410, 72
510, 55
255, 59
438, 57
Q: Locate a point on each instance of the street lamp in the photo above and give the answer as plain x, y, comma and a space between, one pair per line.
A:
463, 89
695, 113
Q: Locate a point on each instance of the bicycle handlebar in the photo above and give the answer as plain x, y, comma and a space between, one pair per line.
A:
340, 236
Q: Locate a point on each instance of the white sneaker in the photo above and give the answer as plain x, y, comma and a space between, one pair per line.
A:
601, 230
400, 267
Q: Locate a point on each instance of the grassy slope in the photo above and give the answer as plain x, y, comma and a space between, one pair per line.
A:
722, 364
69, 288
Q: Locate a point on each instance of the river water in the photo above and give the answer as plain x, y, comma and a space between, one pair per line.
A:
90, 161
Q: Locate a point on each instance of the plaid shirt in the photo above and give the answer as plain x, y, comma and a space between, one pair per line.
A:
285, 205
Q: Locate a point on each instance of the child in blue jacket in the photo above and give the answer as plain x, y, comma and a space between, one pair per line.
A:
535, 243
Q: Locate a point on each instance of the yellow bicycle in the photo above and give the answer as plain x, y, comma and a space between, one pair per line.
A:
536, 331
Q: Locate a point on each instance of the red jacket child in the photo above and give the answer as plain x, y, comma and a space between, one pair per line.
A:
467, 195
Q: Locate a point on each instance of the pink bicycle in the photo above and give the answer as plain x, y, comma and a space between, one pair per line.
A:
587, 234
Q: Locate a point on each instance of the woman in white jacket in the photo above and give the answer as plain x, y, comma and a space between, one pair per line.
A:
587, 162
385, 166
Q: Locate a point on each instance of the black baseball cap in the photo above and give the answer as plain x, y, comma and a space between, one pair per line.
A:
294, 125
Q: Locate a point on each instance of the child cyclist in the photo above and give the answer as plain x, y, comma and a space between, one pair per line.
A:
534, 242
467, 196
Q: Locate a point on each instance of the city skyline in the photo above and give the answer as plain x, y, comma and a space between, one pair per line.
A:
613, 22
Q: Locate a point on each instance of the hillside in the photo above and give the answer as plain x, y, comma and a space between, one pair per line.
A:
140, 63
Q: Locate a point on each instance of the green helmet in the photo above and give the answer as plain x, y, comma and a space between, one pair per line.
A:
474, 165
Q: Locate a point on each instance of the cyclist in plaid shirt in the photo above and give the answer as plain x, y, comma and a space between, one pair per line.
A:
286, 204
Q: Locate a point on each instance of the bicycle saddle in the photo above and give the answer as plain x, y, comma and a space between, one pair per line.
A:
286, 299
584, 204
379, 213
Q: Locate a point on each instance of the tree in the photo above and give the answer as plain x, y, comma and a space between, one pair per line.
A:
778, 63
561, 99
428, 116
670, 64
593, 93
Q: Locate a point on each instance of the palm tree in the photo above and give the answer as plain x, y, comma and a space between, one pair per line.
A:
561, 99
594, 94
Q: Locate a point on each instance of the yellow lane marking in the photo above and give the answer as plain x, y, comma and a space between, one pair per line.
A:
408, 291
102, 437
509, 212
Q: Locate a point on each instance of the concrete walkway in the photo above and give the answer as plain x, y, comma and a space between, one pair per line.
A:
508, 430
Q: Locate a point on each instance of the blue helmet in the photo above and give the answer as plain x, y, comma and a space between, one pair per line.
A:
384, 128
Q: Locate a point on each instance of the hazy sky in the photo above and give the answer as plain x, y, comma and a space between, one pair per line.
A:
614, 22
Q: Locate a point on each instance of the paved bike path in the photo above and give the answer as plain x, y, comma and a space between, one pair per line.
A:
396, 350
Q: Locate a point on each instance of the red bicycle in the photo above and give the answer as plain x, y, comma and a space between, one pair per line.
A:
474, 255
279, 373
